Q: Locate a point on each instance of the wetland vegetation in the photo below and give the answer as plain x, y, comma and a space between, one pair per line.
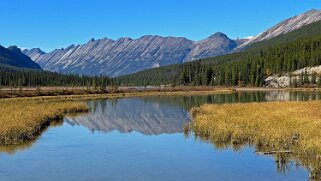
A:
290, 131
22, 120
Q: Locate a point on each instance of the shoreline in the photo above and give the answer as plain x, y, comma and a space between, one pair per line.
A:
120, 95
79, 93
22, 121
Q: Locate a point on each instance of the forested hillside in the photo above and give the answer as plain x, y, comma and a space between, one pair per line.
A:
12, 76
279, 55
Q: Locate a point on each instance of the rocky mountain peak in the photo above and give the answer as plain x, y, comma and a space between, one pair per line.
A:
33, 53
14, 48
14, 57
215, 45
219, 35
148, 36
91, 40
124, 39
38, 50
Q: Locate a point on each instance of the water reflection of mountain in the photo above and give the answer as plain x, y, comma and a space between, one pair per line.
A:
133, 114
166, 114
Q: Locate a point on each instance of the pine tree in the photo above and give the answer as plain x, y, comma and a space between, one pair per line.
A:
94, 84
20, 85
291, 80
314, 78
301, 79
319, 81
306, 78
295, 82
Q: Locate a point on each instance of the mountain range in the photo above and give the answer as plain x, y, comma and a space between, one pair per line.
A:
126, 56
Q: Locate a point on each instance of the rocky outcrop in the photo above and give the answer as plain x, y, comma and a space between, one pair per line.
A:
283, 81
308, 70
278, 82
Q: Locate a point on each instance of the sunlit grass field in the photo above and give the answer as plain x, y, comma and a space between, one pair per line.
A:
288, 129
22, 119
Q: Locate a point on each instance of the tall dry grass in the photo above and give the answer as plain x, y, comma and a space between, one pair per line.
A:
286, 129
22, 120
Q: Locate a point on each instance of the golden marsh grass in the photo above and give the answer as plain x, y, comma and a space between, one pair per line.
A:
22, 120
287, 130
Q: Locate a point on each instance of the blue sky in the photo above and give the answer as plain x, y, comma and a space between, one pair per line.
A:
51, 24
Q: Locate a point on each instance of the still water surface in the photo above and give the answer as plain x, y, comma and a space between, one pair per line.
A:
141, 138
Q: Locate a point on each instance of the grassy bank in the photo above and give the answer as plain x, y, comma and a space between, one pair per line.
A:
13, 92
283, 129
9, 92
22, 120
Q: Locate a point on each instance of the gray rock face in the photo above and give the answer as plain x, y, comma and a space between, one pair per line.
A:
125, 55
286, 26
33, 53
215, 45
281, 81
278, 82
308, 70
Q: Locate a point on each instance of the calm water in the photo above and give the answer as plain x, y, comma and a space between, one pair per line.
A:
142, 139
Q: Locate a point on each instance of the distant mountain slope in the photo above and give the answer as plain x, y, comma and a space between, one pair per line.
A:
286, 26
33, 53
13, 56
125, 55
217, 44
311, 30
286, 52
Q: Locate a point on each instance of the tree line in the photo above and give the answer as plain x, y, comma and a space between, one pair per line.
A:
19, 77
254, 68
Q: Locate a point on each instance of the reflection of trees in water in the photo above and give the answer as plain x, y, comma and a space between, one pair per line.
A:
284, 161
187, 102
292, 95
